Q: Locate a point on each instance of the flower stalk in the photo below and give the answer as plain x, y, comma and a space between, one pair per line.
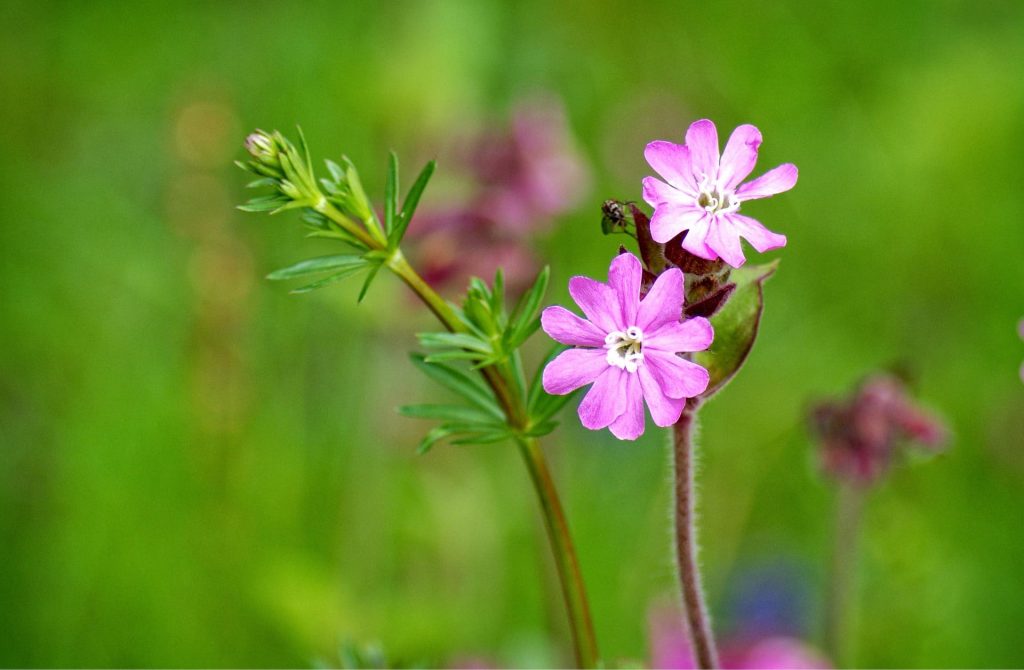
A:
697, 620
842, 570
344, 213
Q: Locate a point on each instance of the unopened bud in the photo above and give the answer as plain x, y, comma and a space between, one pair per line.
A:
261, 146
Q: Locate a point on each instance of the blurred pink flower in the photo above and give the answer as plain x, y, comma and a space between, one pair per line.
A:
670, 648
858, 437
626, 348
520, 179
703, 194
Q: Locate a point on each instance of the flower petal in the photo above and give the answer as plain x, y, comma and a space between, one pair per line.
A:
740, 156
677, 377
670, 219
694, 334
624, 275
776, 180
672, 161
605, 400
630, 424
696, 240
572, 369
759, 237
664, 410
724, 240
598, 301
565, 327
663, 304
702, 141
657, 192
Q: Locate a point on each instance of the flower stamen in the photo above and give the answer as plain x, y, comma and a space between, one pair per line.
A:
625, 348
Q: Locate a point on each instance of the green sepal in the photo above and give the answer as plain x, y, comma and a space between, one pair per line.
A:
735, 325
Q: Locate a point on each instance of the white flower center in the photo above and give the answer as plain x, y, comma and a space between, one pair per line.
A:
714, 199
625, 348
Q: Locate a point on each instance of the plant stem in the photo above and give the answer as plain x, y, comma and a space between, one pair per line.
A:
573, 590
849, 506
696, 609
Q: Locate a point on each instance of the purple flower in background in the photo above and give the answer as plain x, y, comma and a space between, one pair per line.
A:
703, 195
859, 437
516, 181
670, 648
626, 348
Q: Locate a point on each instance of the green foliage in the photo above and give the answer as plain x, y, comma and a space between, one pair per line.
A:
492, 338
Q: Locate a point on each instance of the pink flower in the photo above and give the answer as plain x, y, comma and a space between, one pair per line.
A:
670, 648
626, 347
860, 436
703, 194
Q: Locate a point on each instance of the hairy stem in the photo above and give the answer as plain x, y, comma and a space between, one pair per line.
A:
843, 566
696, 609
573, 590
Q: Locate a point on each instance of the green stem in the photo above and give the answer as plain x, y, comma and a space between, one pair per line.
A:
573, 590
839, 589
697, 620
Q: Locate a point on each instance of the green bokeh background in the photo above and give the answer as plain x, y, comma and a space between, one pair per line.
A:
197, 469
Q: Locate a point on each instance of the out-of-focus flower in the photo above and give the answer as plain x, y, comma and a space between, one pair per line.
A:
626, 347
520, 180
859, 436
1020, 332
670, 648
703, 195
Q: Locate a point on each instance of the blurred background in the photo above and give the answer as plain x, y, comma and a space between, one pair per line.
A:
198, 469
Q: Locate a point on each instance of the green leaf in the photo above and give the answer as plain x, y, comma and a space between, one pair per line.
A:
464, 434
735, 326
348, 272
468, 386
264, 203
483, 437
458, 355
459, 413
536, 392
412, 199
391, 193
318, 265
455, 341
374, 269
549, 406
524, 319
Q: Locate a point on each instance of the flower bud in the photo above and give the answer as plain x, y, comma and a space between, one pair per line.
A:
261, 146
859, 437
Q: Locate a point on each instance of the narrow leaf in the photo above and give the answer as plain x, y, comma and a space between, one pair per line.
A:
460, 413
317, 265
374, 269
347, 272
524, 318
455, 341
391, 193
412, 199
466, 385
